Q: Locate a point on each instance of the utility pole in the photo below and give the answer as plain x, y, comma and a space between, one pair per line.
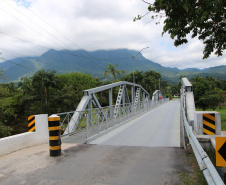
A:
133, 68
159, 84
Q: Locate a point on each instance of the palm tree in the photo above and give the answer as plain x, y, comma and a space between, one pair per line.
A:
42, 80
110, 69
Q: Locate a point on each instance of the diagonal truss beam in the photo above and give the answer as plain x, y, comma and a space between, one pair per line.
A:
96, 104
89, 95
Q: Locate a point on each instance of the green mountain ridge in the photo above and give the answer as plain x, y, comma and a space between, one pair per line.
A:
95, 62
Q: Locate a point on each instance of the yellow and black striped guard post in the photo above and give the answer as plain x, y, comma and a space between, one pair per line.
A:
209, 124
54, 135
31, 123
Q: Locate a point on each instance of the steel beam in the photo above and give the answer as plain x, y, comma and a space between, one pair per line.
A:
110, 102
106, 87
97, 105
76, 116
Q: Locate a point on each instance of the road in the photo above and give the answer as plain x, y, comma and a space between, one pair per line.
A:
157, 128
144, 151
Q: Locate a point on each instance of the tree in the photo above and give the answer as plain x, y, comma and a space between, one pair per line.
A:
110, 69
5, 130
71, 89
211, 99
42, 80
1, 73
205, 19
149, 80
206, 93
10, 108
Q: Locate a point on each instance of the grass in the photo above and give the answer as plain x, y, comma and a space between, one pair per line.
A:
196, 177
222, 111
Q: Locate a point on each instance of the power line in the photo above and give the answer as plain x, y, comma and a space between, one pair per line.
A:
61, 51
8, 51
41, 28
57, 30
87, 58
18, 64
91, 57
31, 28
36, 23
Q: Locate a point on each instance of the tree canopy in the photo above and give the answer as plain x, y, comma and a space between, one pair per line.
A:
110, 69
205, 19
207, 92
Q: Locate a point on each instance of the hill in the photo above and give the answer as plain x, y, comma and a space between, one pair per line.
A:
95, 62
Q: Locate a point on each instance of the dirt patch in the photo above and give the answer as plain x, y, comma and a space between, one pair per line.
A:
28, 160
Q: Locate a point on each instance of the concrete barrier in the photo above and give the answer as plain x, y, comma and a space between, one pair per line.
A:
198, 122
24, 140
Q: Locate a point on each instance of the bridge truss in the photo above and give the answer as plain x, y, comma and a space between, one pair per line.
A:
93, 119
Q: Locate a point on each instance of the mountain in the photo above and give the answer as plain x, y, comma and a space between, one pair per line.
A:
95, 62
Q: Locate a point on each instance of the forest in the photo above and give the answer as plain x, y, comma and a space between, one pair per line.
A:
47, 93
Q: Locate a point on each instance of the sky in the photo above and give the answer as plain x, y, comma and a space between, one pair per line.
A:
31, 27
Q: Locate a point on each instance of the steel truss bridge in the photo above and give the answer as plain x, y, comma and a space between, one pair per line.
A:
90, 120
146, 149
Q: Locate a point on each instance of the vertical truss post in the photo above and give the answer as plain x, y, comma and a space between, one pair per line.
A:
144, 102
139, 102
118, 101
110, 103
89, 118
123, 99
98, 124
132, 96
137, 99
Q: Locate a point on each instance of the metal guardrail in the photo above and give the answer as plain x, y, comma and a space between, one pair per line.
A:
96, 122
209, 171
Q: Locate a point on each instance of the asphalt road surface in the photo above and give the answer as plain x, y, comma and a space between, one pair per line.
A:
157, 128
144, 151
96, 165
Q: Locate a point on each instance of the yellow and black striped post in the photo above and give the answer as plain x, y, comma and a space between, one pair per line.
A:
209, 124
31, 123
54, 135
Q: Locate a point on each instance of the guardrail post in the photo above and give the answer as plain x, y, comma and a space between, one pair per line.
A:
54, 135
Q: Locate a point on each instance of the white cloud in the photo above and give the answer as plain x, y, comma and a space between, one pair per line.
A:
92, 25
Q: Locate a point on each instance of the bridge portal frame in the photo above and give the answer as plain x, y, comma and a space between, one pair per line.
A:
89, 99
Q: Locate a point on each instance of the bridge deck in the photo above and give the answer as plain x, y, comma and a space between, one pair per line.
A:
157, 128
105, 164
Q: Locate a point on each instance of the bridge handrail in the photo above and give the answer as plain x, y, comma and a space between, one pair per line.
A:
205, 164
126, 112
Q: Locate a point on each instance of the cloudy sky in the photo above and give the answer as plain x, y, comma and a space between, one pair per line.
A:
31, 27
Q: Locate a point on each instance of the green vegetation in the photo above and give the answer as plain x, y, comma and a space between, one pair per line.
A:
149, 80
63, 63
222, 111
110, 69
208, 92
208, 96
196, 177
44, 93
47, 92
202, 19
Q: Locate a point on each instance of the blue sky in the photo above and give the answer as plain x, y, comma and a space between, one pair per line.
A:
92, 25
23, 3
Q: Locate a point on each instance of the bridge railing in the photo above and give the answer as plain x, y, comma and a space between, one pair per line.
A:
97, 121
187, 114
